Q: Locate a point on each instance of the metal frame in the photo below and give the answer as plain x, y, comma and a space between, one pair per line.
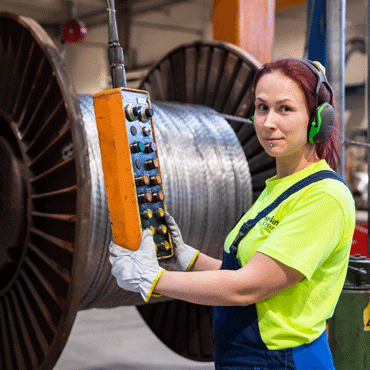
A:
336, 65
336, 23
368, 118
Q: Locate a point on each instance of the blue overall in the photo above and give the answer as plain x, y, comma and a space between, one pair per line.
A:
238, 343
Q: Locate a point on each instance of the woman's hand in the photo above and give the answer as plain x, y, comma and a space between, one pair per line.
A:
136, 271
184, 255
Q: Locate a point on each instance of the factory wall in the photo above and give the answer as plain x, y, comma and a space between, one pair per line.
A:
149, 45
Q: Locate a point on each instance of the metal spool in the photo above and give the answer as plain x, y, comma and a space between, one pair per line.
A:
218, 75
54, 222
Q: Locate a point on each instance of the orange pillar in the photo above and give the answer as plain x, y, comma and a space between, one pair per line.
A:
248, 24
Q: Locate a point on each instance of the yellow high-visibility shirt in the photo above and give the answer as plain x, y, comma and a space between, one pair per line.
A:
311, 231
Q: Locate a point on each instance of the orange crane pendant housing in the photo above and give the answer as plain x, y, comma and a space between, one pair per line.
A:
131, 168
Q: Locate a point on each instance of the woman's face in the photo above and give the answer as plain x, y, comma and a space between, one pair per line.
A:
281, 117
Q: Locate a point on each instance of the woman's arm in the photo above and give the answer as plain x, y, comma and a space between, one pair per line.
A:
260, 278
206, 263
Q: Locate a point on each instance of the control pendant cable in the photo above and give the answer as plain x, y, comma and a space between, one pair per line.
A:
115, 51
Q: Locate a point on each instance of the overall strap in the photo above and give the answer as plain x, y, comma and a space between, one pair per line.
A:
317, 176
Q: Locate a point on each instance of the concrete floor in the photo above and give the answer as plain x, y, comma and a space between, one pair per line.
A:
118, 339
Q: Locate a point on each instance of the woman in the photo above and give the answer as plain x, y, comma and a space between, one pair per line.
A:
283, 271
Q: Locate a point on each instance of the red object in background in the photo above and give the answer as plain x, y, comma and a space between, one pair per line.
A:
74, 31
359, 241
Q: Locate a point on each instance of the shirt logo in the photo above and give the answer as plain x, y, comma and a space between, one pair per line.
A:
270, 222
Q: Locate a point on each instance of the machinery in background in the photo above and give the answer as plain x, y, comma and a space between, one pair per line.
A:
74, 30
349, 328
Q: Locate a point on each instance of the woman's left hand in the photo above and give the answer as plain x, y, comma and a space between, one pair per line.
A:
136, 271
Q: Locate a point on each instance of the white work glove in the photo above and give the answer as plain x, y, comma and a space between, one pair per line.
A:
137, 271
184, 255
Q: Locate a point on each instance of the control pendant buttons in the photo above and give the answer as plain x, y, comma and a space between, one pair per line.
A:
137, 147
133, 130
150, 147
164, 246
149, 205
144, 197
158, 196
142, 180
162, 229
151, 164
131, 112
159, 213
147, 214
149, 112
146, 131
143, 113
155, 180
138, 164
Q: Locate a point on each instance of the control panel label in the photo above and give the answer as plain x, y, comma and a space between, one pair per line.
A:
141, 101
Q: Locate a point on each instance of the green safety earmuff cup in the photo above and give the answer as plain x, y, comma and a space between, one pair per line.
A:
318, 132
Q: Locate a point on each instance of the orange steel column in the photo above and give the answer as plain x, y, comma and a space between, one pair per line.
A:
248, 24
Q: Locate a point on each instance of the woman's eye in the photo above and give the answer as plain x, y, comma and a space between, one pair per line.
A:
286, 108
262, 107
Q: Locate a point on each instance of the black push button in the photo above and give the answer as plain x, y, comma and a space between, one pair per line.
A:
158, 196
149, 112
151, 164
150, 147
155, 180
145, 197
133, 130
142, 180
138, 164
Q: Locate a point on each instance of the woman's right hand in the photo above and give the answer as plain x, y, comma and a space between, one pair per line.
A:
184, 255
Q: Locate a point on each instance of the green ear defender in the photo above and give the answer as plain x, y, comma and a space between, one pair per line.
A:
321, 122
252, 119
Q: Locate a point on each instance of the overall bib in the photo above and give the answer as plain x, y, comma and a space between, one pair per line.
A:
238, 342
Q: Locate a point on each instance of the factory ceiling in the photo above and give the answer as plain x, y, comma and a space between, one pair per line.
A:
53, 13
58, 11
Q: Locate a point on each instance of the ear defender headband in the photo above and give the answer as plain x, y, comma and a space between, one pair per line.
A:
322, 119
321, 122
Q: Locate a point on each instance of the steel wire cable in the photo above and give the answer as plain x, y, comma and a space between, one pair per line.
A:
215, 166
236, 187
195, 169
206, 181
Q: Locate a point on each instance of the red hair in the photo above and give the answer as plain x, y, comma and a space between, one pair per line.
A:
307, 80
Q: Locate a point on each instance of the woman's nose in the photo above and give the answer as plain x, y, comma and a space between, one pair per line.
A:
270, 121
